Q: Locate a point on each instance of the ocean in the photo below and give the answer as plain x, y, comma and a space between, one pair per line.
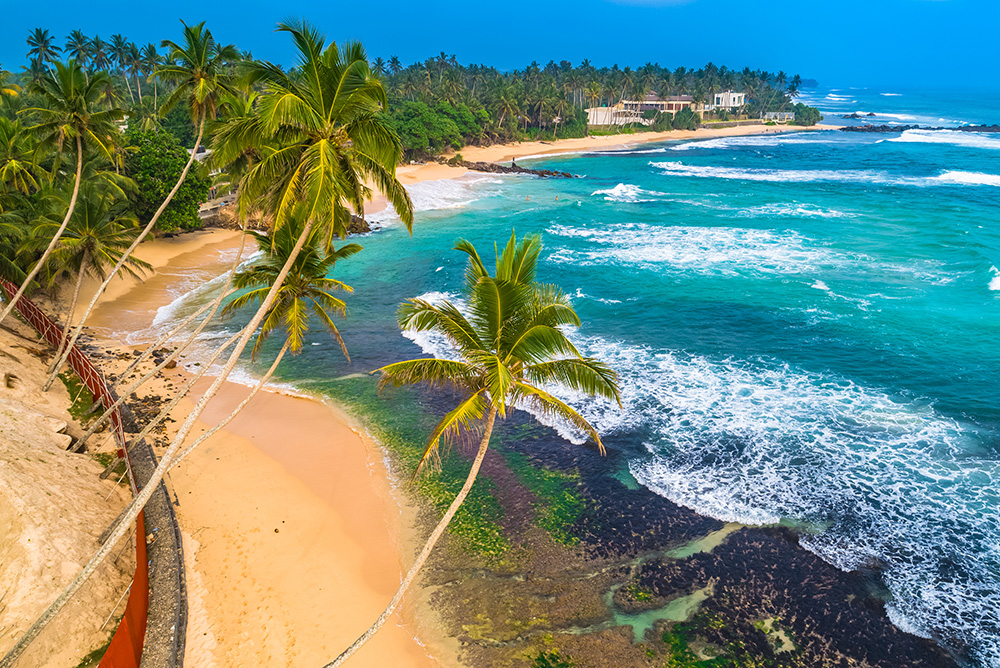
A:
805, 326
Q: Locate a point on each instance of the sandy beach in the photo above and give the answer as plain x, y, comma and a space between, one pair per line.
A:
294, 536
433, 171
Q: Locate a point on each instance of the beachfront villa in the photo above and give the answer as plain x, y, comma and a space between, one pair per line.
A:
631, 111
726, 100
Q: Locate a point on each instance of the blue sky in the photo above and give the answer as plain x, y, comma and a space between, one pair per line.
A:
874, 42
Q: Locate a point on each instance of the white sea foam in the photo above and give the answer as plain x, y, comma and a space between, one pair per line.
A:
791, 210
626, 192
891, 94
953, 137
756, 441
678, 168
995, 281
967, 179
710, 250
761, 141
442, 194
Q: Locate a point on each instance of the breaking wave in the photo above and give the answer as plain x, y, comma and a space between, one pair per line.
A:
826, 175
952, 137
626, 192
709, 250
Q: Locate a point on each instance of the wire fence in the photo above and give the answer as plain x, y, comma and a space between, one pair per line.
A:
125, 650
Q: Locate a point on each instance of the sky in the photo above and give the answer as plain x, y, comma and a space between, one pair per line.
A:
919, 43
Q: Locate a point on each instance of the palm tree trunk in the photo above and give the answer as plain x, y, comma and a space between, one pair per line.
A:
165, 410
138, 87
214, 305
236, 411
125, 256
129, 87
55, 239
127, 392
126, 519
428, 547
72, 305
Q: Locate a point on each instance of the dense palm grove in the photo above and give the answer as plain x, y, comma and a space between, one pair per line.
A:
439, 104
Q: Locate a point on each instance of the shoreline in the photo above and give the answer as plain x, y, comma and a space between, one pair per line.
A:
248, 461
295, 538
500, 153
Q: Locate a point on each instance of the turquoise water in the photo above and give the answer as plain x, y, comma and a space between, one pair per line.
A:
805, 325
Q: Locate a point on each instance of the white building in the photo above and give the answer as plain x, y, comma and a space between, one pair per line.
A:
727, 100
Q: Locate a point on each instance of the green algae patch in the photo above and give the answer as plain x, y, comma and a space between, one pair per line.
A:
558, 503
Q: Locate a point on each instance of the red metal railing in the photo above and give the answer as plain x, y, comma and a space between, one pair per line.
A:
125, 650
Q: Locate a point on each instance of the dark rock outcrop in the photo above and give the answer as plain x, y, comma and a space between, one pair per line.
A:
903, 128
495, 168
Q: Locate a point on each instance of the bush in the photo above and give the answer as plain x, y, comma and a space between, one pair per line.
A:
662, 122
155, 161
805, 115
685, 119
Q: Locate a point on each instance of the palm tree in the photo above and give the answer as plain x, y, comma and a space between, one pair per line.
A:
379, 67
98, 233
71, 112
99, 54
8, 88
307, 288
150, 61
394, 65
363, 130
198, 69
133, 65
119, 57
332, 137
510, 343
19, 172
42, 52
78, 47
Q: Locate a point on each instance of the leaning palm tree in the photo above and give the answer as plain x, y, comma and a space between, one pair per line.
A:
323, 133
198, 69
325, 181
71, 112
98, 233
509, 343
306, 289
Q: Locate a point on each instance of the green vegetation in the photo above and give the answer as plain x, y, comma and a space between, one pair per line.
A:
552, 659
79, 394
154, 160
805, 115
686, 646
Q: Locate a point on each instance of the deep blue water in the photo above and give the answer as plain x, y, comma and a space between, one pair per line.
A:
806, 327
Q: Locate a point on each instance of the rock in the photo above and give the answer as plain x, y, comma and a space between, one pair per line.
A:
172, 364
494, 168
358, 225
980, 128
882, 128
871, 113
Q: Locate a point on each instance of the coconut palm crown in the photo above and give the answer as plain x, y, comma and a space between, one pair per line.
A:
307, 290
321, 134
510, 343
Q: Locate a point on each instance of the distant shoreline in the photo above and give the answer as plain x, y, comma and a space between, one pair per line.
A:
501, 153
